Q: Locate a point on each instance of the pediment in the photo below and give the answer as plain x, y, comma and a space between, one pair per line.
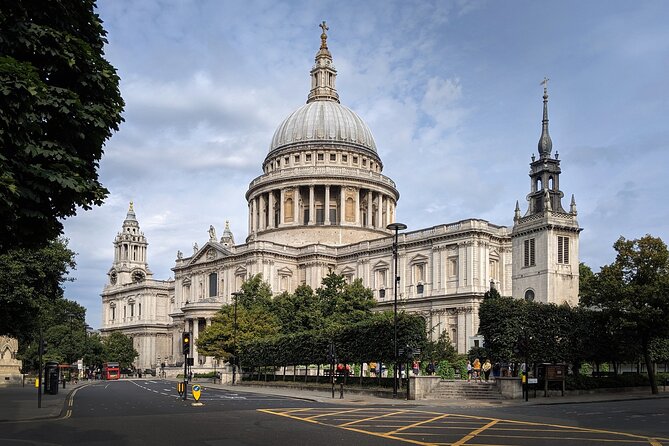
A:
381, 264
285, 271
208, 253
418, 258
347, 271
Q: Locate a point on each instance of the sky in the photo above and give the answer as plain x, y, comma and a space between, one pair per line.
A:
450, 90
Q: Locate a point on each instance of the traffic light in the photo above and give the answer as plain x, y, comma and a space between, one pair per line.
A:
43, 347
185, 343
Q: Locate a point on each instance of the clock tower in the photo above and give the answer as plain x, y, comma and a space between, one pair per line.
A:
129, 253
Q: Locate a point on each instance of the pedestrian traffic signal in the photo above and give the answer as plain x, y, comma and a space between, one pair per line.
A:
44, 345
185, 343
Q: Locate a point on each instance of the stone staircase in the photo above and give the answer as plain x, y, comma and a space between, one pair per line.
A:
462, 390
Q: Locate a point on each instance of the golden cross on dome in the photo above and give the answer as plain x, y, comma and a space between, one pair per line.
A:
324, 36
131, 205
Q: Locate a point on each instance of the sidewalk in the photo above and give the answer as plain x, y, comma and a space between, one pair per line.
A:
19, 403
323, 396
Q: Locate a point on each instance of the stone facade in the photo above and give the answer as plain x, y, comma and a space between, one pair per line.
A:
323, 204
10, 366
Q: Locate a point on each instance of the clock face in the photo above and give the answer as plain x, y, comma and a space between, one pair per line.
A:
113, 277
137, 276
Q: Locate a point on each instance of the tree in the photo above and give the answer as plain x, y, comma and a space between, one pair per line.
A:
255, 292
298, 311
343, 303
118, 348
59, 103
633, 292
30, 286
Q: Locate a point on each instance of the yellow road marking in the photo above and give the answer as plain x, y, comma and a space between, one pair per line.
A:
493, 425
362, 420
418, 424
474, 433
338, 412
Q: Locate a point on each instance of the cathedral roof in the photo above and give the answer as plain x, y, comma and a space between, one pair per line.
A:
323, 119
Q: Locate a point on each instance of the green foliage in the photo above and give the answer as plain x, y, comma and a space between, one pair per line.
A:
118, 348
59, 103
31, 289
584, 382
442, 350
477, 352
445, 370
342, 303
255, 292
299, 311
633, 293
367, 341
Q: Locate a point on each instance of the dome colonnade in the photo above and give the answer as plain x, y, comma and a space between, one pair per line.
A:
322, 179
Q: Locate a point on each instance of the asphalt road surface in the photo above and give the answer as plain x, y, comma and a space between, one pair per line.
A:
145, 412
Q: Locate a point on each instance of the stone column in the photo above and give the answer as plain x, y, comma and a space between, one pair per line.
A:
357, 206
312, 202
379, 212
342, 205
196, 333
282, 208
326, 205
296, 205
370, 205
388, 219
250, 219
261, 212
270, 212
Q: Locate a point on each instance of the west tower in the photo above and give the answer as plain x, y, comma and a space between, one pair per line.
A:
545, 241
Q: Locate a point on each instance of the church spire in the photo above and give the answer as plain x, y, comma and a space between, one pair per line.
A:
323, 74
545, 143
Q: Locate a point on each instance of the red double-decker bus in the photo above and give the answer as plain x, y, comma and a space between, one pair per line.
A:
111, 370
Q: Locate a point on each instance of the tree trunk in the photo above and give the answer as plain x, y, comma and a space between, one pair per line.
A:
649, 366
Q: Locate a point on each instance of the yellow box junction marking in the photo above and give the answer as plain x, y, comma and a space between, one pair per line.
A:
446, 425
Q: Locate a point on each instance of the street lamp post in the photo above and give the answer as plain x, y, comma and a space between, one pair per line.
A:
395, 227
235, 295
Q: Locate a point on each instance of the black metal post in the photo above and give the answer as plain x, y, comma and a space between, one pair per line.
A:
395, 227
39, 369
185, 376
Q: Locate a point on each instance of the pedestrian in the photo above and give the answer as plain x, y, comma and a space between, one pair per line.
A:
477, 369
416, 368
496, 369
430, 368
487, 366
469, 371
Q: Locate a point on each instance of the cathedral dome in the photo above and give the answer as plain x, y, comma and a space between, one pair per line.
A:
324, 122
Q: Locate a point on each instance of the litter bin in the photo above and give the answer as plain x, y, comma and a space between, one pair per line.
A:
51, 378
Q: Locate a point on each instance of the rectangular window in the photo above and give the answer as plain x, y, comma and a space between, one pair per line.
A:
320, 157
364, 162
563, 250
333, 157
308, 156
132, 310
452, 268
529, 254
344, 158
297, 159
355, 160
213, 284
113, 313
286, 161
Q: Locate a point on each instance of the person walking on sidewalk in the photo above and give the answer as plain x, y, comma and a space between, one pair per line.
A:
469, 371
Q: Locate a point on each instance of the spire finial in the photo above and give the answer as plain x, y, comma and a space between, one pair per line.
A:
324, 36
130, 208
323, 74
516, 215
545, 143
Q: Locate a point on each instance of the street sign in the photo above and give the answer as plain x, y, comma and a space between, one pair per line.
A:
196, 392
532, 380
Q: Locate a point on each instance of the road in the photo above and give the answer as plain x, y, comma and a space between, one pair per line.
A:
148, 412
